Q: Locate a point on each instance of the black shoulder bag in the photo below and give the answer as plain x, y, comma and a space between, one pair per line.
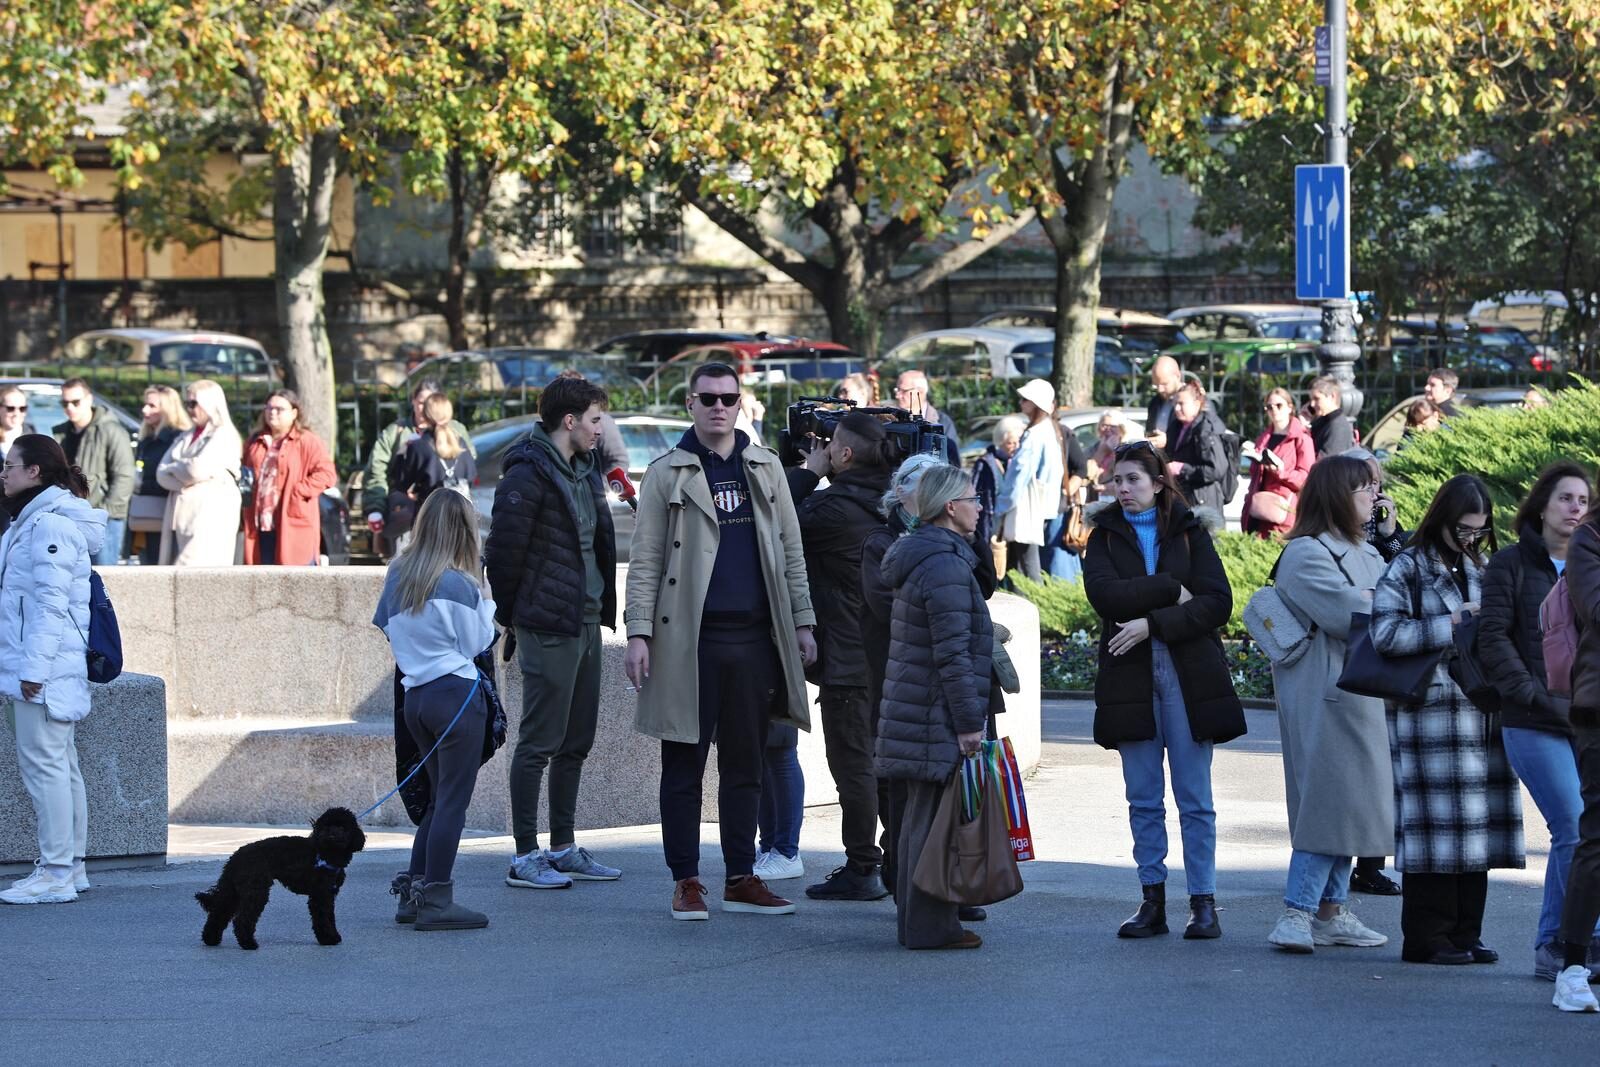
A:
1369, 673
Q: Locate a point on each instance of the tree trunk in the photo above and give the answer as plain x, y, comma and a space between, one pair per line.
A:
469, 196
302, 222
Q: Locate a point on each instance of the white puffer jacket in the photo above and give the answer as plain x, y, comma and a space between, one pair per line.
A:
45, 558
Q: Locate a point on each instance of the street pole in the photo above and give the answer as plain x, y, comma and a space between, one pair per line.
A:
1340, 348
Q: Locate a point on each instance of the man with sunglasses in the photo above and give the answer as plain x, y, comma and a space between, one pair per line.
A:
13, 424
719, 623
96, 442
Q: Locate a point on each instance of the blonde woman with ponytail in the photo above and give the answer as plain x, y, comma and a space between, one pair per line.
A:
438, 616
437, 458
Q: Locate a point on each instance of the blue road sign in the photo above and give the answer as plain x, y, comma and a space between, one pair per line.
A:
1322, 51
1322, 232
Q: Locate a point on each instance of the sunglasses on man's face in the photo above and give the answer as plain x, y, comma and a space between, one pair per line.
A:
711, 400
15, 407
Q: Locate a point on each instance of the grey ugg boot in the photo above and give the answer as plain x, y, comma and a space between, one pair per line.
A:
406, 910
437, 909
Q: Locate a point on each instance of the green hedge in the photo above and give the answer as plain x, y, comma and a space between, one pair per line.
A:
1506, 447
1064, 608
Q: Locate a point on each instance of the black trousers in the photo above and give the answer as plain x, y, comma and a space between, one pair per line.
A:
1583, 878
848, 734
741, 684
1441, 911
923, 921
1024, 559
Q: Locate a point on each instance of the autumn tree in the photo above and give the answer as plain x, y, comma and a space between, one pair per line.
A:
854, 123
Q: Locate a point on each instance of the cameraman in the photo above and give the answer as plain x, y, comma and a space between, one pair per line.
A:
833, 524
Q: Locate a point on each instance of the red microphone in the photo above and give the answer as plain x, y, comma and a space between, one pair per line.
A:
617, 479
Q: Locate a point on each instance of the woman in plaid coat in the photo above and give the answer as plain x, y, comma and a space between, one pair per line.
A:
1458, 807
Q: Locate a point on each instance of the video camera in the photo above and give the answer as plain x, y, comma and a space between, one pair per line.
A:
813, 419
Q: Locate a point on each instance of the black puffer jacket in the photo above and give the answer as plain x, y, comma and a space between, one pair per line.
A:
532, 557
1204, 459
1515, 583
833, 525
1583, 585
1115, 581
940, 646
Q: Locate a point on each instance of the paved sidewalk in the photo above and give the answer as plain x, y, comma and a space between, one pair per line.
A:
599, 973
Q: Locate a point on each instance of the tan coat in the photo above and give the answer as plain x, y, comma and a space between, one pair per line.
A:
1338, 777
201, 527
670, 559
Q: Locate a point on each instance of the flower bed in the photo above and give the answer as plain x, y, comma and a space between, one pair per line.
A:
1070, 663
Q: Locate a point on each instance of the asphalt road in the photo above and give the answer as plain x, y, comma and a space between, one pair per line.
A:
600, 974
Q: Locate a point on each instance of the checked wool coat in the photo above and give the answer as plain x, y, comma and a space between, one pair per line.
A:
1458, 807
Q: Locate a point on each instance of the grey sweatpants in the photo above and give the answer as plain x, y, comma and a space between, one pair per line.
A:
560, 707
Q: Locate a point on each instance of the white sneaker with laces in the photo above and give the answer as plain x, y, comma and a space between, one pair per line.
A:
31, 877
1293, 932
774, 866
1345, 929
1573, 992
42, 888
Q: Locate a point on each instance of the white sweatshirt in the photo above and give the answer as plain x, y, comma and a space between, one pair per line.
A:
454, 625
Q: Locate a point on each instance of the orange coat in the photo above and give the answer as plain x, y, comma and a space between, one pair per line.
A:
304, 470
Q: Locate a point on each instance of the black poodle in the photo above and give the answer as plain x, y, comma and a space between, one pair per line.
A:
311, 866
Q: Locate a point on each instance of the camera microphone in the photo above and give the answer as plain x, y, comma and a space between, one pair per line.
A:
617, 479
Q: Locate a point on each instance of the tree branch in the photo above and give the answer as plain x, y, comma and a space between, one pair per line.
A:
786, 259
936, 270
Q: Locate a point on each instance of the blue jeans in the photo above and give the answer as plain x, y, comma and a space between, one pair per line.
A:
1144, 777
1314, 878
1548, 765
111, 548
783, 801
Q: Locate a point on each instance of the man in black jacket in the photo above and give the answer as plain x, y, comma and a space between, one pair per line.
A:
833, 525
552, 562
1331, 433
1197, 459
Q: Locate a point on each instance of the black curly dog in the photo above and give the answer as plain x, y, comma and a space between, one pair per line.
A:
311, 866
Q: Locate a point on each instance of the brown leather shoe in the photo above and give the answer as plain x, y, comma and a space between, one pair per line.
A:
752, 895
689, 900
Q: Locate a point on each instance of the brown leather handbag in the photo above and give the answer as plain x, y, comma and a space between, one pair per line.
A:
1076, 530
969, 863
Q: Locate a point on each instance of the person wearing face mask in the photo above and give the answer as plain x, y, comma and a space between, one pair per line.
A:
1281, 459
936, 689
1535, 724
551, 558
1163, 692
1458, 808
290, 467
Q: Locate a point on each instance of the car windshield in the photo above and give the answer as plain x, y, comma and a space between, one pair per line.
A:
490, 443
1293, 329
207, 356
647, 441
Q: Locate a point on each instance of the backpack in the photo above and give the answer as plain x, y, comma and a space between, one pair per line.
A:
1559, 627
1232, 448
103, 647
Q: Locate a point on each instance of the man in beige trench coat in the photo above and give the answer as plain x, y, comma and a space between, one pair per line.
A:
719, 634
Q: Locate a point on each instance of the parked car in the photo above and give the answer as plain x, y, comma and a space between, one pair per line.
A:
1248, 355
1421, 343
1388, 432
195, 353
1234, 322
758, 362
646, 437
643, 351
995, 352
1140, 333
498, 369
45, 412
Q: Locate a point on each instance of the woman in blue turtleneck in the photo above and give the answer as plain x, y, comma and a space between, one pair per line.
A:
1163, 686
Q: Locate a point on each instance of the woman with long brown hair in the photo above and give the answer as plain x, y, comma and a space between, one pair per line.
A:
290, 468
1336, 767
1163, 690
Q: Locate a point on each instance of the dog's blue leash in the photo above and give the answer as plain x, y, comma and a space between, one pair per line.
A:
420, 763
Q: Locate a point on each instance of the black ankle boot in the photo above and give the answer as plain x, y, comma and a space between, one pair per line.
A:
1151, 918
1203, 923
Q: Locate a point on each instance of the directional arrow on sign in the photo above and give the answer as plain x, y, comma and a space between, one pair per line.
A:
1332, 215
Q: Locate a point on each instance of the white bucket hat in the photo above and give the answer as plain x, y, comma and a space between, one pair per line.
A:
1041, 392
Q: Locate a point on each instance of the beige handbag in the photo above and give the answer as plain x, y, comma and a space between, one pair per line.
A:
146, 513
1269, 507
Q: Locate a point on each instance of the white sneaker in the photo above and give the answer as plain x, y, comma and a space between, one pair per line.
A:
31, 877
1345, 929
774, 866
80, 876
41, 888
1572, 991
1293, 932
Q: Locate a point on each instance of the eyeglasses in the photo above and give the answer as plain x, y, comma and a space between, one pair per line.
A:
1275, 405
1371, 488
11, 466
15, 407
273, 409
711, 400
74, 403
1132, 446
1466, 534
966, 500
